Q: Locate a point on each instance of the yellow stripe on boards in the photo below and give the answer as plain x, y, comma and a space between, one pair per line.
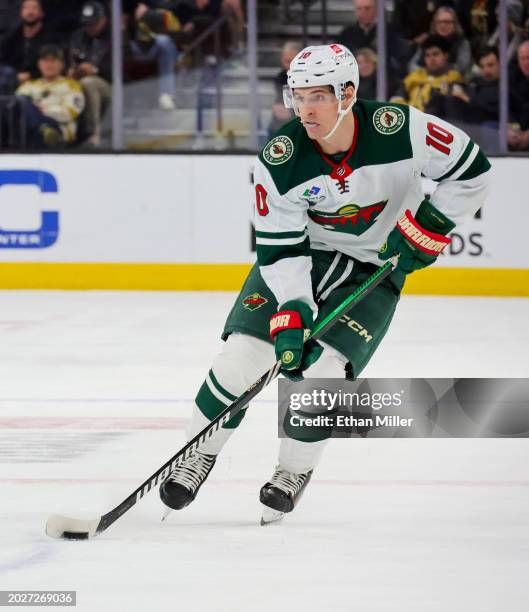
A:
230, 277
469, 281
126, 276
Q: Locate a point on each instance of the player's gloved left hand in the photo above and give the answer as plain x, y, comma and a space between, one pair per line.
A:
288, 328
418, 240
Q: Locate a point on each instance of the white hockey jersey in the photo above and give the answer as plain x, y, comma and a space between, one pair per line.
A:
305, 200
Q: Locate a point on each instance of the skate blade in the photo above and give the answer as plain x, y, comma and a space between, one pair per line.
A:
270, 516
166, 512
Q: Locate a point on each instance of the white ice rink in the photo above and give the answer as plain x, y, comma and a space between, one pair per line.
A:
96, 388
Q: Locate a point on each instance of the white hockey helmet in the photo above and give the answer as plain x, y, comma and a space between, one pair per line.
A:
332, 65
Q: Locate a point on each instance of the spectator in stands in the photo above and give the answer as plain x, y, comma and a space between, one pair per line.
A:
479, 101
519, 100
281, 114
478, 19
197, 15
363, 33
412, 19
423, 87
234, 12
20, 48
63, 16
9, 16
159, 16
51, 103
91, 64
192, 13
8, 80
148, 46
446, 24
515, 11
367, 68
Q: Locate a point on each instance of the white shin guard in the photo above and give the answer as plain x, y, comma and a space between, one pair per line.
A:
299, 457
242, 360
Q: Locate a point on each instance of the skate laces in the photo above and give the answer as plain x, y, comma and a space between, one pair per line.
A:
193, 471
289, 482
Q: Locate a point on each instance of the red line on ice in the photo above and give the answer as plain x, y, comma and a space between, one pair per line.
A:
93, 423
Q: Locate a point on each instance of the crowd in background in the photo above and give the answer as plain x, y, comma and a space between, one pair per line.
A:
442, 57
56, 57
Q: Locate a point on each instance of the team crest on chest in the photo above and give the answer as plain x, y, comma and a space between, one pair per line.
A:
278, 150
254, 301
388, 120
349, 219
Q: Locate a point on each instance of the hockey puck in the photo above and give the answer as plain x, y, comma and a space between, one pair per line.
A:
76, 535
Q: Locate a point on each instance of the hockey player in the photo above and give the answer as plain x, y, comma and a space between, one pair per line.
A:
337, 191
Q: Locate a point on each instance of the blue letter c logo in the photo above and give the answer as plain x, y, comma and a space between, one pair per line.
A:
48, 232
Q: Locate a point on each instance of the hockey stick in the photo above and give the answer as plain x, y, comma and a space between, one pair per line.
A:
58, 526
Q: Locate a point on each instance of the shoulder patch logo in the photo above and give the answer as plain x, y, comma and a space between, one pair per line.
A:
254, 301
278, 150
388, 120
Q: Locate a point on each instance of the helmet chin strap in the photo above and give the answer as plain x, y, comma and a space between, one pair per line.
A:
341, 115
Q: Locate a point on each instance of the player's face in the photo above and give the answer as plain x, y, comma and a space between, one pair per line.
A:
318, 110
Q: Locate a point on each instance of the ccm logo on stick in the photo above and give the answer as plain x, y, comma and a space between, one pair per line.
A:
48, 232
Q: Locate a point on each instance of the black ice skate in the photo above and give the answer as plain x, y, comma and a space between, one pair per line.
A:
182, 485
281, 494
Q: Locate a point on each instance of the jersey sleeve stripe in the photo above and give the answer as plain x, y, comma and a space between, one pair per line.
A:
470, 150
279, 241
269, 254
260, 234
463, 168
480, 165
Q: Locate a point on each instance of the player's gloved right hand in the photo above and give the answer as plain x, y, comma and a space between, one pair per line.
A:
288, 328
418, 240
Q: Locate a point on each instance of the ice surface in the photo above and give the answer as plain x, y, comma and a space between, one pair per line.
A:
96, 389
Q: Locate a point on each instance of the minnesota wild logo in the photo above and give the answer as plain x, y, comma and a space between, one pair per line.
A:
254, 301
278, 150
388, 119
349, 219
